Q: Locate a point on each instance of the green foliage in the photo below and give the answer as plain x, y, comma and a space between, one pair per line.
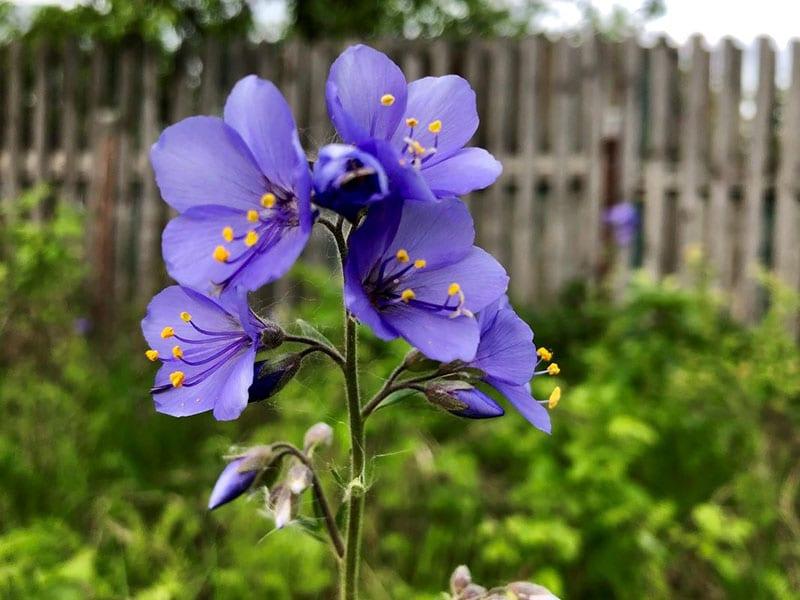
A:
672, 471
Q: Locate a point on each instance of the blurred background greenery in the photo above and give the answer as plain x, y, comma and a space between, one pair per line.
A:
671, 473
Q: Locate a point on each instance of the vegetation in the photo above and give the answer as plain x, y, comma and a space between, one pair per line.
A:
672, 471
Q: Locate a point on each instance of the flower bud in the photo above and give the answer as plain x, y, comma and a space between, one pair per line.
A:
346, 179
272, 336
524, 590
463, 400
473, 591
319, 434
232, 483
417, 362
460, 579
279, 504
298, 479
270, 376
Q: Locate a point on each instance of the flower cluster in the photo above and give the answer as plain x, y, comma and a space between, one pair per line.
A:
246, 201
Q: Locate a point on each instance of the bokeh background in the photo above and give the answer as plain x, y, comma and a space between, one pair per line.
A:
673, 468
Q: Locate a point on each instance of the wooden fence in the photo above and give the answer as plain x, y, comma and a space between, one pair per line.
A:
577, 126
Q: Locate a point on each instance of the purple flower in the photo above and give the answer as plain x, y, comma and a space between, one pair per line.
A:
424, 124
242, 187
207, 350
507, 358
232, 483
463, 400
346, 179
412, 272
624, 221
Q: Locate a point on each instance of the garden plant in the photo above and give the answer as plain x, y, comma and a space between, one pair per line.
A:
247, 200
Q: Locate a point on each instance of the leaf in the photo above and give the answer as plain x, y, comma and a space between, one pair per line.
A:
308, 330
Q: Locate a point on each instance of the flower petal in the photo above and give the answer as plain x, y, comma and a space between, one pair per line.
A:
506, 351
357, 82
190, 239
481, 279
357, 302
437, 336
440, 233
231, 484
448, 99
467, 170
223, 390
201, 160
478, 405
521, 398
259, 113
165, 310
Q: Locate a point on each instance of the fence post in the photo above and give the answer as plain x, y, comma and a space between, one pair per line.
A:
100, 223
752, 231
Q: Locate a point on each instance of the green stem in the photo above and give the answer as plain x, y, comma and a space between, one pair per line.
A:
356, 490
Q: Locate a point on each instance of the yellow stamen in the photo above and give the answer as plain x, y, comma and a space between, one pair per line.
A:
176, 378
220, 254
435, 126
252, 216
387, 99
177, 352
167, 332
152, 355
250, 239
416, 147
407, 295
412, 122
554, 398
268, 200
227, 234
553, 369
401, 255
453, 289
420, 263
544, 354
186, 317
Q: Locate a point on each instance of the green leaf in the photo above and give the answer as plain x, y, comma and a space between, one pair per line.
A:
308, 330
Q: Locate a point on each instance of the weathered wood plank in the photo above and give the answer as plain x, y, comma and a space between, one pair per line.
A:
746, 303
725, 165
12, 121
787, 208
150, 214
694, 156
523, 258
655, 198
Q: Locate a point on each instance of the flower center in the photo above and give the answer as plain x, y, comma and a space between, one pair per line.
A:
207, 348
391, 284
413, 150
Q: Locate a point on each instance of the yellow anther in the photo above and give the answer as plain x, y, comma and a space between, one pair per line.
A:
177, 352
416, 147
554, 398
435, 126
152, 355
186, 317
220, 254
227, 234
412, 122
453, 289
401, 256
250, 239
387, 99
544, 354
268, 200
407, 295
252, 216
420, 263
167, 332
176, 378
553, 369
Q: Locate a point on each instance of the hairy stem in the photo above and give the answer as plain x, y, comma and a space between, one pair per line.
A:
318, 347
319, 495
